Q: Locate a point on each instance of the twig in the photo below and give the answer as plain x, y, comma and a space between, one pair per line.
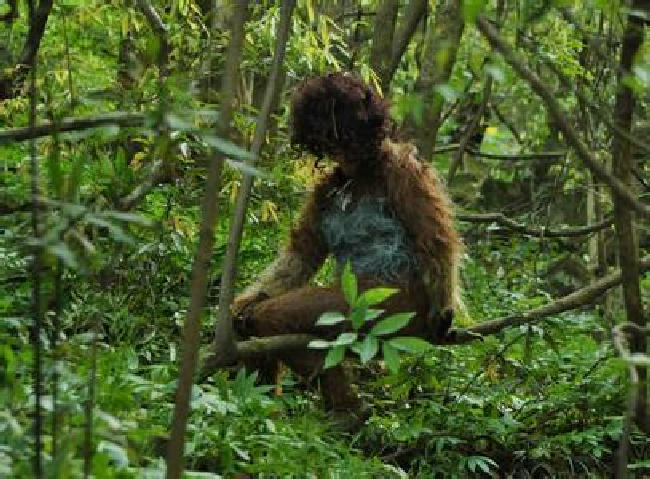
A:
554, 109
474, 124
140, 191
543, 232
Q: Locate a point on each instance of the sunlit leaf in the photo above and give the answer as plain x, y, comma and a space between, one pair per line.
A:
319, 344
369, 348
345, 338
375, 296
410, 344
391, 357
330, 318
349, 284
391, 324
334, 357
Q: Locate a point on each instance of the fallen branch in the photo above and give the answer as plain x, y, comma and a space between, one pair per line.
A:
573, 300
118, 118
260, 347
542, 232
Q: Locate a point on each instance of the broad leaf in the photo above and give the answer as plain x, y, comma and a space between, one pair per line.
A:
330, 318
334, 357
391, 324
319, 344
371, 314
410, 344
349, 284
358, 316
376, 295
344, 339
369, 348
391, 357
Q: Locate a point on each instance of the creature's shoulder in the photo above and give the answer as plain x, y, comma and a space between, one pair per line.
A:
401, 163
399, 154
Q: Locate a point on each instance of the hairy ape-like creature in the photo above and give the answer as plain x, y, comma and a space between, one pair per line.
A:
381, 209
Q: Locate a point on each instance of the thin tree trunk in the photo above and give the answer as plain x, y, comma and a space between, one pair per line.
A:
382, 41
416, 10
622, 166
11, 82
441, 43
37, 262
224, 346
204, 253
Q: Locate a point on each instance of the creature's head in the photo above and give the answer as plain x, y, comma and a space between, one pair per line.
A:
339, 116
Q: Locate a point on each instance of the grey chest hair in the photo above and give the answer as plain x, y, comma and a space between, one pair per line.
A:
343, 194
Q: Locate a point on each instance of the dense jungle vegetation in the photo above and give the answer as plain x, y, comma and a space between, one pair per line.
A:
129, 132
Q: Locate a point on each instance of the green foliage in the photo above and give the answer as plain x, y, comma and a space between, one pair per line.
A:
363, 341
544, 399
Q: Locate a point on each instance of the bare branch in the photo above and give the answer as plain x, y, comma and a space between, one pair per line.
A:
578, 298
404, 33
118, 118
140, 191
554, 109
159, 27
471, 129
543, 232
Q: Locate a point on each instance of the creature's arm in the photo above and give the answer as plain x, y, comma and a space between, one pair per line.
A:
420, 201
297, 263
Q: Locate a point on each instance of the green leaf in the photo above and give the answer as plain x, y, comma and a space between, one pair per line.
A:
349, 284
330, 318
64, 253
358, 316
371, 314
376, 295
472, 9
227, 147
391, 357
344, 339
391, 324
369, 348
334, 357
410, 344
319, 344
116, 453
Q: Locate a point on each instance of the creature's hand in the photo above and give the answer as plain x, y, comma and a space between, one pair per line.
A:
441, 321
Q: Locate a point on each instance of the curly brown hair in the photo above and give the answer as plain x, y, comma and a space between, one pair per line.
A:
338, 114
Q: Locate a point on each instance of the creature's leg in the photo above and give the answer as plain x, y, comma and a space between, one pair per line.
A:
297, 312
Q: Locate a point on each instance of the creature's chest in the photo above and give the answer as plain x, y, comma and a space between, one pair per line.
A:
362, 229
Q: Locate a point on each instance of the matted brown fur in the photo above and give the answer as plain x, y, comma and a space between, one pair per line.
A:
339, 116
417, 197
